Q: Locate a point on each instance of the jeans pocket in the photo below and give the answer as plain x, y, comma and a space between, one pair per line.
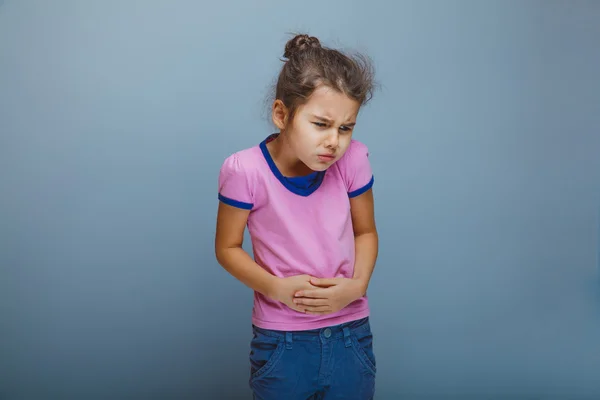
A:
362, 342
265, 351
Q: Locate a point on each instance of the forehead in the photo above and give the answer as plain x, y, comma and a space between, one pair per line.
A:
330, 103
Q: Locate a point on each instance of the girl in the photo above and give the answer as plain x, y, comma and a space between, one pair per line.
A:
305, 195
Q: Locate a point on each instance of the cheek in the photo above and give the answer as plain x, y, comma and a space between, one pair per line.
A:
306, 137
303, 142
344, 142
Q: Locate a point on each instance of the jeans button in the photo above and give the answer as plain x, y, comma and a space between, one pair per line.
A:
327, 333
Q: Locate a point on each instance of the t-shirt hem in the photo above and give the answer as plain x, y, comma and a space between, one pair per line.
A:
308, 325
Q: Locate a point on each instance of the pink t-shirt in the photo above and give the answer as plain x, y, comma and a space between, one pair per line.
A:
298, 229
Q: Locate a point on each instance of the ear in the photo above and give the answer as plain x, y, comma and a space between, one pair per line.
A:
280, 114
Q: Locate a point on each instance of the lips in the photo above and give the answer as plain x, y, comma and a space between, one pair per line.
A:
326, 157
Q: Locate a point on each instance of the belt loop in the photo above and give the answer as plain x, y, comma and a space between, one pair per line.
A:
347, 339
288, 340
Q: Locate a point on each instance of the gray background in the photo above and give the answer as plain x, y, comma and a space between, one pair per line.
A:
115, 117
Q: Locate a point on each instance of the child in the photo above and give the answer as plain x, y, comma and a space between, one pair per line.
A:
305, 195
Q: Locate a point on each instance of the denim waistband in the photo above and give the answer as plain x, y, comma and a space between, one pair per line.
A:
330, 332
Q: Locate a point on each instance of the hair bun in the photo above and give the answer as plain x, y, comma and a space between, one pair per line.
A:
300, 43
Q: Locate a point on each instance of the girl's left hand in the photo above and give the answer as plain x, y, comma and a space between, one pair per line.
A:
331, 296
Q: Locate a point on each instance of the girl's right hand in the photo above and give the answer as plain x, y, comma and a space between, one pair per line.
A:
286, 288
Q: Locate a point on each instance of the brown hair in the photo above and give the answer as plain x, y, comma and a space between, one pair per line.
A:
310, 65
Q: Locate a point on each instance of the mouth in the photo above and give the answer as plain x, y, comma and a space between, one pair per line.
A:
326, 157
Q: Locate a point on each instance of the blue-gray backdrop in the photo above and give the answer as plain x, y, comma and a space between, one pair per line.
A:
115, 117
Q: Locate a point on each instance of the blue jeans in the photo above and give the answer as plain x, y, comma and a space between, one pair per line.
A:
337, 362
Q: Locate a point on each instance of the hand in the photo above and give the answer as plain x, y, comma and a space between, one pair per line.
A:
285, 289
331, 295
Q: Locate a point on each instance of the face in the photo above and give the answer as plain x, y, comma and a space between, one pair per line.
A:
321, 129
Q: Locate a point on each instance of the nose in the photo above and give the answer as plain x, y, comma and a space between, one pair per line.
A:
332, 140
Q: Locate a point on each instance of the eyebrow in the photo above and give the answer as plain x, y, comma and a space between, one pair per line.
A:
330, 121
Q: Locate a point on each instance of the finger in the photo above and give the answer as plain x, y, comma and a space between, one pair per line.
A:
311, 302
314, 293
295, 307
300, 292
300, 309
321, 282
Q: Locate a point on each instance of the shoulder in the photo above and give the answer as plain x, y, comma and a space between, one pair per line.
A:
357, 152
245, 162
357, 148
237, 178
355, 168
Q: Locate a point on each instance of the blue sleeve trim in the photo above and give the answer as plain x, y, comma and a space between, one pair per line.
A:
235, 203
363, 189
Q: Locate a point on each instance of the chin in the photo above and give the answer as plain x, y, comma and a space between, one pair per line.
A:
320, 167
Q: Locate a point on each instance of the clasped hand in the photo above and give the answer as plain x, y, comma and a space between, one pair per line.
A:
318, 296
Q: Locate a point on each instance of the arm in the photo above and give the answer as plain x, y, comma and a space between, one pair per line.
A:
365, 238
231, 222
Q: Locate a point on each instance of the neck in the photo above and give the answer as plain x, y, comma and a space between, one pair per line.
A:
285, 159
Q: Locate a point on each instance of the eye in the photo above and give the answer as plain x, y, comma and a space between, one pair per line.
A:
320, 124
345, 128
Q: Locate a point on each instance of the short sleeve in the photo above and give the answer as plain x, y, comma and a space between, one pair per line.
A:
234, 184
355, 169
